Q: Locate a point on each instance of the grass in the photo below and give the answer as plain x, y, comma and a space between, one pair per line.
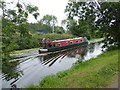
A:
19, 52
96, 40
95, 73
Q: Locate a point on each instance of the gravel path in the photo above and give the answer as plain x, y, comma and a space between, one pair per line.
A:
114, 84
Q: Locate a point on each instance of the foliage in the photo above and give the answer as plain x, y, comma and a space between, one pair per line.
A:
109, 22
9, 36
15, 34
92, 19
50, 21
33, 27
82, 28
10, 71
95, 73
53, 36
59, 29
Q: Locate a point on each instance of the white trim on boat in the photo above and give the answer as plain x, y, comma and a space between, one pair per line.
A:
43, 49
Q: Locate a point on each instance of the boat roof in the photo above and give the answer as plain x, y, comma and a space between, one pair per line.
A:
57, 41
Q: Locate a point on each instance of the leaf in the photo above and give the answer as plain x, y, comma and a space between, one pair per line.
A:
13, 12
19, 5
19, 10
35, 15
26, 14
31, 8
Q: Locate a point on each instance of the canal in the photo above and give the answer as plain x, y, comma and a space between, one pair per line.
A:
32, 70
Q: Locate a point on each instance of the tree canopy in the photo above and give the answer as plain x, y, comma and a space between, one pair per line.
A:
104, 19
14, 31
50, 21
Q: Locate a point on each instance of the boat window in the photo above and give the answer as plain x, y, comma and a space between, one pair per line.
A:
58, 44
49, 45
53, 44
71, 42
76, 40
81, 40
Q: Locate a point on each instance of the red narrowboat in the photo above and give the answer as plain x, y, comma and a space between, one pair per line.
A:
51, 46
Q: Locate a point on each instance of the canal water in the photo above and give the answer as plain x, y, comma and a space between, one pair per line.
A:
31, 71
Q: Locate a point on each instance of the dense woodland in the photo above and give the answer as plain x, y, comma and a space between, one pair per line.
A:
92, 21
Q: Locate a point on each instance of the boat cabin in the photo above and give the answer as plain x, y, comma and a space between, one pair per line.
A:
65, 42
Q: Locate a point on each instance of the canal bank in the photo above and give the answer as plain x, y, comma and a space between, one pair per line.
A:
32, 69
97, 72
21, 53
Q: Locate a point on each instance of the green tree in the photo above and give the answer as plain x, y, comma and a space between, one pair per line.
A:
104, 19
14, 31
33, 27
82, 23
50, 21
59, 29
15, 34
109, 22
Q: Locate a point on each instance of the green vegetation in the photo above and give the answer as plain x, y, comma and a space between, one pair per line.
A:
19, 52
15, 34
95, 20
38, 38
82, 28
18, 34
46, 23
54, 36
95, 73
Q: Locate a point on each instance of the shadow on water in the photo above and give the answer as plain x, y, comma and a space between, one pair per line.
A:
31, 71
10, 72
52, 58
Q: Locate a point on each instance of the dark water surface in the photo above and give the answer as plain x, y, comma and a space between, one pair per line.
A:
31, 71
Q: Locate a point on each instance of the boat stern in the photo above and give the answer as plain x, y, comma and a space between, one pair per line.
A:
43, 50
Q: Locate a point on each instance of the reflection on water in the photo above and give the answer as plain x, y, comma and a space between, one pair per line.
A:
73, 53
31, 71
10, 72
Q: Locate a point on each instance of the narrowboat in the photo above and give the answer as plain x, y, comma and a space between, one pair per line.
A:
51, 46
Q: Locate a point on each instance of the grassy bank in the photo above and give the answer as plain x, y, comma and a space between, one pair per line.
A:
96, 73
19, 52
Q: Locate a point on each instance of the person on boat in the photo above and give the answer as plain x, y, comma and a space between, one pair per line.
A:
44, 42
47, 40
